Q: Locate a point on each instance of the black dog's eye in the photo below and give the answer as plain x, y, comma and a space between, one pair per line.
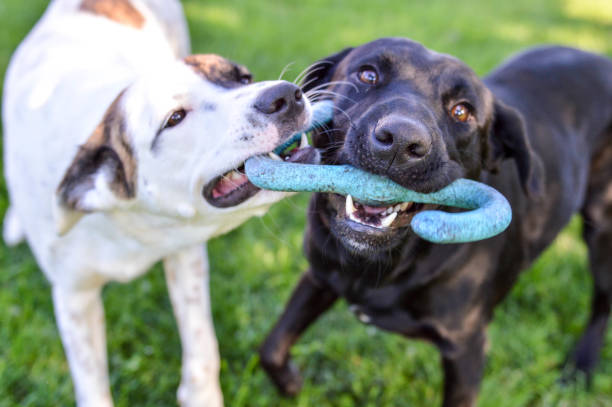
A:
368, 75
175, 118
245, 79
460, 112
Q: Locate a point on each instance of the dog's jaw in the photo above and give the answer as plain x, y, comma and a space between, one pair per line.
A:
234, 188
368, 230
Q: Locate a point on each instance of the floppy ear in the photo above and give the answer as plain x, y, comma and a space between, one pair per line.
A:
323, 70
508, 138
101, 176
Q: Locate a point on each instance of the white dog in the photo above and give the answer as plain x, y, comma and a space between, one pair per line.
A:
119, 152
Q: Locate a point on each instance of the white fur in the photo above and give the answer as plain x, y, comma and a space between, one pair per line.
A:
59, 83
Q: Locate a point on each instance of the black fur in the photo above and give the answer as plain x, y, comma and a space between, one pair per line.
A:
540, 133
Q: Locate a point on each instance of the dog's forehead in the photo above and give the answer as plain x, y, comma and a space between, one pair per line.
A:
170, 86
216, 69
407, 59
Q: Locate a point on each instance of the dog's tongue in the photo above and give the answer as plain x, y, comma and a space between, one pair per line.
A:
229, 183
374, 210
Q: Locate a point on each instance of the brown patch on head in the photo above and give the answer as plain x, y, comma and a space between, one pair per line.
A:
108, 150
219, 70
120, 11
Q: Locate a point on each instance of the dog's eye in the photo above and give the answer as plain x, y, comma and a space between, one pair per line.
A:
460, 112
246, 79
175, 118
368, 75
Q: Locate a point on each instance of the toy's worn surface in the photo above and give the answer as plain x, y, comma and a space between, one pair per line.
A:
488, 211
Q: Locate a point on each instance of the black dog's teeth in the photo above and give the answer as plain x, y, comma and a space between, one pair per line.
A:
380, 217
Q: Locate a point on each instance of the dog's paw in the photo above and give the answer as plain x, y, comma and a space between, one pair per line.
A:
580, 366
292, 384
188, 397
200, 388
574, 374
286, 377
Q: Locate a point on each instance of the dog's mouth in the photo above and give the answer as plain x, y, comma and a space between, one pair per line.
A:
375, 217
234, 188
229, 189
366, 229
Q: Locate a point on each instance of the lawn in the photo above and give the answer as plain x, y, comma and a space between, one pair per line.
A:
255, 267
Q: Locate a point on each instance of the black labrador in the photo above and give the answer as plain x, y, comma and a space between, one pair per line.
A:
538, 129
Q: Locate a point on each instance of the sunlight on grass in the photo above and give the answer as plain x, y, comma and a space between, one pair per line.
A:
581, 37
593, 10
515, 31
570, 245
215, 15
263, 254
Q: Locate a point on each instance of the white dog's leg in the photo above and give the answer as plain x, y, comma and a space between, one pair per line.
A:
187, 279
80, 318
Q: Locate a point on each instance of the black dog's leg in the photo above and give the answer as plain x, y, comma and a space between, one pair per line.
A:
463, 371
597, 215
462, 357
308, 301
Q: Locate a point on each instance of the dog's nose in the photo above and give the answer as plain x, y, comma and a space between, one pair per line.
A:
400, 140
282, 99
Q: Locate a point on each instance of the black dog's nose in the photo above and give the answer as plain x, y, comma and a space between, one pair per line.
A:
401, 140
284, 98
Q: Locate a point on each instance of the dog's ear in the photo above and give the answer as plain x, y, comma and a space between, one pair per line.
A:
323, 70
102, 175
508, 138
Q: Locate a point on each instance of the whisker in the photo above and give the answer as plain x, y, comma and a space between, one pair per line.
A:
327, 92
345, 114
331, 144
285, 69
336, 83
303, 85
310, 69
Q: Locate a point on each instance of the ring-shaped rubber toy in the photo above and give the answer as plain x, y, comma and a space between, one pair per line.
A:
488, 214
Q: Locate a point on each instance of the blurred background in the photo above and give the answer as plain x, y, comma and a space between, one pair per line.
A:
254, 268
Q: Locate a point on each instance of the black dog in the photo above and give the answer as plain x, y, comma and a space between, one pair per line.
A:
538, 129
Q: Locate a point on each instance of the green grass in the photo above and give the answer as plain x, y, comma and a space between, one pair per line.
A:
254, 268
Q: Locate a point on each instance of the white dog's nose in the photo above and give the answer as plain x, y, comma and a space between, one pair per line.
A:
284, 99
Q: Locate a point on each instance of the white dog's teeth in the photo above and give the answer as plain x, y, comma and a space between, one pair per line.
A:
386, 222
405, 205
274, 156
235, 176
304, 141
350, 207
397, 208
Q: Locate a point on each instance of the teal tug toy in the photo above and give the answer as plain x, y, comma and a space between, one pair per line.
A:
488, 214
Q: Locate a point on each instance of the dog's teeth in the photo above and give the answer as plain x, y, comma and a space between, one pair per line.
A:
274, 156
304, 141
386, 222
397, 208
355, 218
405, 205
350, 207
235, 176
